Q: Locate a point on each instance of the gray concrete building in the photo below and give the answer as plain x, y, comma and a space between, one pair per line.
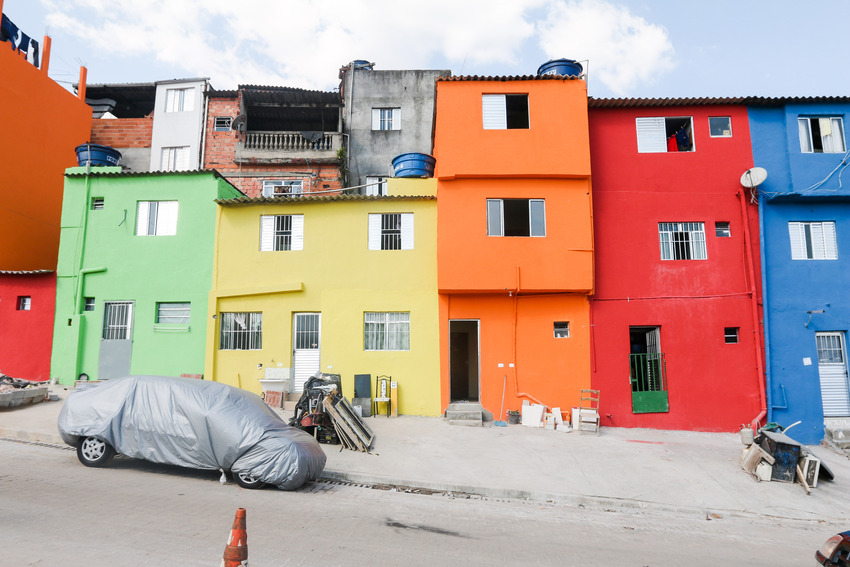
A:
386, 113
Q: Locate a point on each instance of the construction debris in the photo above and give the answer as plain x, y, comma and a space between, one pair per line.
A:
17, 392
775, 456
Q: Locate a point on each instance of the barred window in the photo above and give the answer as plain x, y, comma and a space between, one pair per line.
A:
391, 231
281, 232
682, 240
386, 331
241, 331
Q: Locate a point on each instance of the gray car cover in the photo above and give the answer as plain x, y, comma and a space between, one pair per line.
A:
192, 423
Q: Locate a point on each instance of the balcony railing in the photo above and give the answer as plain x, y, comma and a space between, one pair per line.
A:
291, 141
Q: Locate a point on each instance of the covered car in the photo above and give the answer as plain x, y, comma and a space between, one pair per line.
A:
190, 423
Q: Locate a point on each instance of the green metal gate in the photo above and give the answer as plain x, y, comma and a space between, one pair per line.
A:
648, 375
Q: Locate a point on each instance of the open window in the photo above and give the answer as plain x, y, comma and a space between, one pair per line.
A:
505, 111
282, 187
665, 134
516, 217
821, 134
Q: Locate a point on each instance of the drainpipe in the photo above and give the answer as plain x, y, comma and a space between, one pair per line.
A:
754, 307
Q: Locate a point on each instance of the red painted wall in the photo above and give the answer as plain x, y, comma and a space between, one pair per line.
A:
26, 336
712, 386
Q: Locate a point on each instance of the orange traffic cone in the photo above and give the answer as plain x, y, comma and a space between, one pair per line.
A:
236, 551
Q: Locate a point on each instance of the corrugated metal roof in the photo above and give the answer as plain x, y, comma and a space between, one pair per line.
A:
321, 199
511, 78
706, 101
217, 174
24, 272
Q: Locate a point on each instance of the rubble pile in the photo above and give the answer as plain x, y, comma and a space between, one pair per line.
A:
773, 455
16, 391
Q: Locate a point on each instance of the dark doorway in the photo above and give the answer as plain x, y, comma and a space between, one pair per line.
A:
463, 361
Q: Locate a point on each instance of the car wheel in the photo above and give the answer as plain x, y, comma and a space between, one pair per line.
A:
94, 452
247, 480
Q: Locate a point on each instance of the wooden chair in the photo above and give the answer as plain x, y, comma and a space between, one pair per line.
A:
588, 411
381, 394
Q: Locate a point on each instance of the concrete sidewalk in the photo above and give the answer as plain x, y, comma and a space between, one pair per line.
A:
682, 471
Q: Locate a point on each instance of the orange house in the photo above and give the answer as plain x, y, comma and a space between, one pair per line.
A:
515, 240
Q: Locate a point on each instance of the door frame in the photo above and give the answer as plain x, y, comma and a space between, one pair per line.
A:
298, 381
471, 366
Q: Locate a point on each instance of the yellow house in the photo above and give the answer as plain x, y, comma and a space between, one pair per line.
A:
343, 284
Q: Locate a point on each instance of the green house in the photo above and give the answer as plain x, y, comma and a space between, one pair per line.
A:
134, 272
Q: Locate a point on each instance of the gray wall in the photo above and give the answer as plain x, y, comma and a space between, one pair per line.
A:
371, 152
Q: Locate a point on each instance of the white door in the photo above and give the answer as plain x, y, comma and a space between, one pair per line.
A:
832, 369
306, 352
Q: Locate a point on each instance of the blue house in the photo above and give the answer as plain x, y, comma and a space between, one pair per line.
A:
804, 215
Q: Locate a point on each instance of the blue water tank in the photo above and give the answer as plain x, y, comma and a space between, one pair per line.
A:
97, 155
413, 165
568, 67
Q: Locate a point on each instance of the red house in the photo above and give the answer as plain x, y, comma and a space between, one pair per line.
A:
27, 301
676, 330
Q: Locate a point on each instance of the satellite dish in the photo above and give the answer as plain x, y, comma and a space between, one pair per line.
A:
238, 124
754, 177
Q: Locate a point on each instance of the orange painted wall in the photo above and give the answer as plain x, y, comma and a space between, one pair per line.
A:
519, 329
469, 260
556, 143
43, 123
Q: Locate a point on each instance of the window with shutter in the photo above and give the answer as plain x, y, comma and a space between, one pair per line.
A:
664, 134
504, 111
813, 240
386, 119
156, 218
281, 232
391, 231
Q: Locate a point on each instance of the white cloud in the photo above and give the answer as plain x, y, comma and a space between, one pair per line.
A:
298, 42
624, 50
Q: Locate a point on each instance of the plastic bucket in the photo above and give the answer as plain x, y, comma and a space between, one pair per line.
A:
561, 67
97, 155
413, 165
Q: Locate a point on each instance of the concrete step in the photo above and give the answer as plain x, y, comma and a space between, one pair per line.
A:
840, 436
464, 414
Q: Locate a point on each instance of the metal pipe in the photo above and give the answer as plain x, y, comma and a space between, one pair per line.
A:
759, 341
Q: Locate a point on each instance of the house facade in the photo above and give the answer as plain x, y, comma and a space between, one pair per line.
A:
342, 284
675, 319
134, 272
804, 211
26, 323
385, 113
514, 240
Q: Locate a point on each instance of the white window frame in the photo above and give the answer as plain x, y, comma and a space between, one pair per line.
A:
384, 331
173, 313
536, 218
282, 187
494, 112
24, 303
375, 186
652, 133
180, 100
674, 247
174, 158
561, 329
813, 240
723, 132
222, 123
386, 119
384, 234
830, 143
722, 229
97, 203
240, 331
281, 232
156, 218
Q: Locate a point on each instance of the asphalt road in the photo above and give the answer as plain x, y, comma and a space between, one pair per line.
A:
54, 511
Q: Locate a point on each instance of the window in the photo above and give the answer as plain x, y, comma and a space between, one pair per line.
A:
682, 240
174, 159
156, 218
562, 329
241, 331
168, 313
386, 119
375, 186
516, 217
281, 232
391, 231
722, 230
665, 134
813, 240
88, 304
730, 335
117, 320
96, 203
24, 302
180, 100
504, 111
821, 135
222, 123
720, 126
386, 331
282, 187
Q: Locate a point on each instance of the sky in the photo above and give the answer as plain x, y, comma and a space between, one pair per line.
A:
629, 48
